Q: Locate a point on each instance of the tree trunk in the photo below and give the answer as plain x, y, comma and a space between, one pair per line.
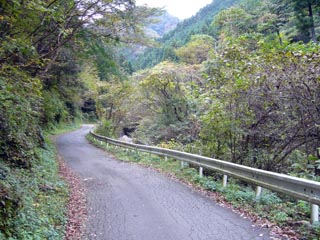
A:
312, 29
279, 36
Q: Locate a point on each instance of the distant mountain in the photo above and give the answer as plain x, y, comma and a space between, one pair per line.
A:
127, 55
166, 23
198, 24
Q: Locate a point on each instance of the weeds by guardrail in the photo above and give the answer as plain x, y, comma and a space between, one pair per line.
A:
298, 188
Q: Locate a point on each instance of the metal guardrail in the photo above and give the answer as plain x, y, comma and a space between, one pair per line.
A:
298, 188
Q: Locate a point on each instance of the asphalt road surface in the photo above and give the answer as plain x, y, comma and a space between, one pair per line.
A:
129, 202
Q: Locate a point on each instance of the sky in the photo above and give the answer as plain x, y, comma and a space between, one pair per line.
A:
178, 8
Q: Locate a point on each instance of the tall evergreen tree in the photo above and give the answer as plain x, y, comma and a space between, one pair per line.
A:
304, 10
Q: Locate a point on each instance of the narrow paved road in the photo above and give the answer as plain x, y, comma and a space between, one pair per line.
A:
129, 202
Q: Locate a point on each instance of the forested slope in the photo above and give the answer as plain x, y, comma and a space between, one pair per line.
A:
198, 24
244, 90
52, 55
164, 23
238, 81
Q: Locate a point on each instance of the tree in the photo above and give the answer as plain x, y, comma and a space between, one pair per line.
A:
163, 102
275, 14
223, 123
304, 10
163, 89
233, 22
40, 46
263, 103
289, 85
196, 50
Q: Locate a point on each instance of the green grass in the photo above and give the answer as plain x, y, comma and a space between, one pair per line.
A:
63, 128
40, 193
281, 210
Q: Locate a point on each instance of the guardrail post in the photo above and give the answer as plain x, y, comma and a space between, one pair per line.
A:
201, 171
258, 192
314, 213
224, 180
165, 158
182, 164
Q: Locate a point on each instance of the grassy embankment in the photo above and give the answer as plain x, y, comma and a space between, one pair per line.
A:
37, 209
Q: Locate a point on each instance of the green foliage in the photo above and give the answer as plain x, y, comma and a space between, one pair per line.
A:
40, 59
196, 50
240, 197
105, 61
304, 166
106, 129
33, 201
54, 109
279, 216
10, 203
306, 18
210, 185
113, 101
20, 104
171, 144
234, 21
164, 87
198, 24
242, 102
42, 48
255, 102
166, 91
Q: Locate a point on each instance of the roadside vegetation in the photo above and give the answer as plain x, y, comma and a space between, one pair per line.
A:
46, 49
239, 82
244, 88
36, 205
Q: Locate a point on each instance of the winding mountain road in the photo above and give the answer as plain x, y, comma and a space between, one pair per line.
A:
129, 202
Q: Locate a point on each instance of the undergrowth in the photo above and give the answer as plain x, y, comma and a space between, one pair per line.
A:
280, 210
35, 206
63, 127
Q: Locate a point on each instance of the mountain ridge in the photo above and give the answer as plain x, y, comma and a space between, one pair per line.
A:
180, 35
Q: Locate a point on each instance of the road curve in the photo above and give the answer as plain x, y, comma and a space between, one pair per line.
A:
129, 202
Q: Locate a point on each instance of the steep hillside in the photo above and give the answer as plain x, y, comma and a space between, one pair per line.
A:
198, 24
166, 23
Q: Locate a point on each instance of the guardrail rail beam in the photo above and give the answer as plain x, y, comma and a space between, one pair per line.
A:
298, 188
